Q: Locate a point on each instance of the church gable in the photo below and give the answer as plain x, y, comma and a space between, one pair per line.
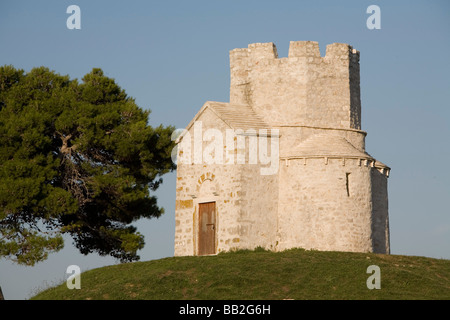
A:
233, 116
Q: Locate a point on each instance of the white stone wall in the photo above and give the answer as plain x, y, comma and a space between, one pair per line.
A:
213, 183
259, 208
317, 212
380, 215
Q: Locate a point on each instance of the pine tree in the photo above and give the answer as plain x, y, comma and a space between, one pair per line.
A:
75, 158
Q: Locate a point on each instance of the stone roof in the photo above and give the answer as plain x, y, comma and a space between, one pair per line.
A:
327, 145
234, 115
237, 116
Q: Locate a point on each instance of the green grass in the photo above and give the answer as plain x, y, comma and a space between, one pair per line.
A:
259, 274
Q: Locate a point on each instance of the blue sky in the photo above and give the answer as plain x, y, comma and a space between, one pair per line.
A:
172, 56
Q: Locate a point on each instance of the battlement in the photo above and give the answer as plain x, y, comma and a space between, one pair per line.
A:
297, 49
304, 88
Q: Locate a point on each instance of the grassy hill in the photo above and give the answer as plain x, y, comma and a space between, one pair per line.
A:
259, 274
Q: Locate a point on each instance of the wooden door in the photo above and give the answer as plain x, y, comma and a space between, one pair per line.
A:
207, 228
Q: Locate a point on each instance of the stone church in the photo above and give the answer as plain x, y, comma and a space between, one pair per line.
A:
283, 164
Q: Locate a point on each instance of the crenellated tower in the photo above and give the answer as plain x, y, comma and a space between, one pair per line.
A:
302, 89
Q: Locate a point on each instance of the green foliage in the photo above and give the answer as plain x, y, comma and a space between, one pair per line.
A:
76, 158
264, 275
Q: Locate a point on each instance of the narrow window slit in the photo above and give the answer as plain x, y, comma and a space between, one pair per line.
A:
347, 174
